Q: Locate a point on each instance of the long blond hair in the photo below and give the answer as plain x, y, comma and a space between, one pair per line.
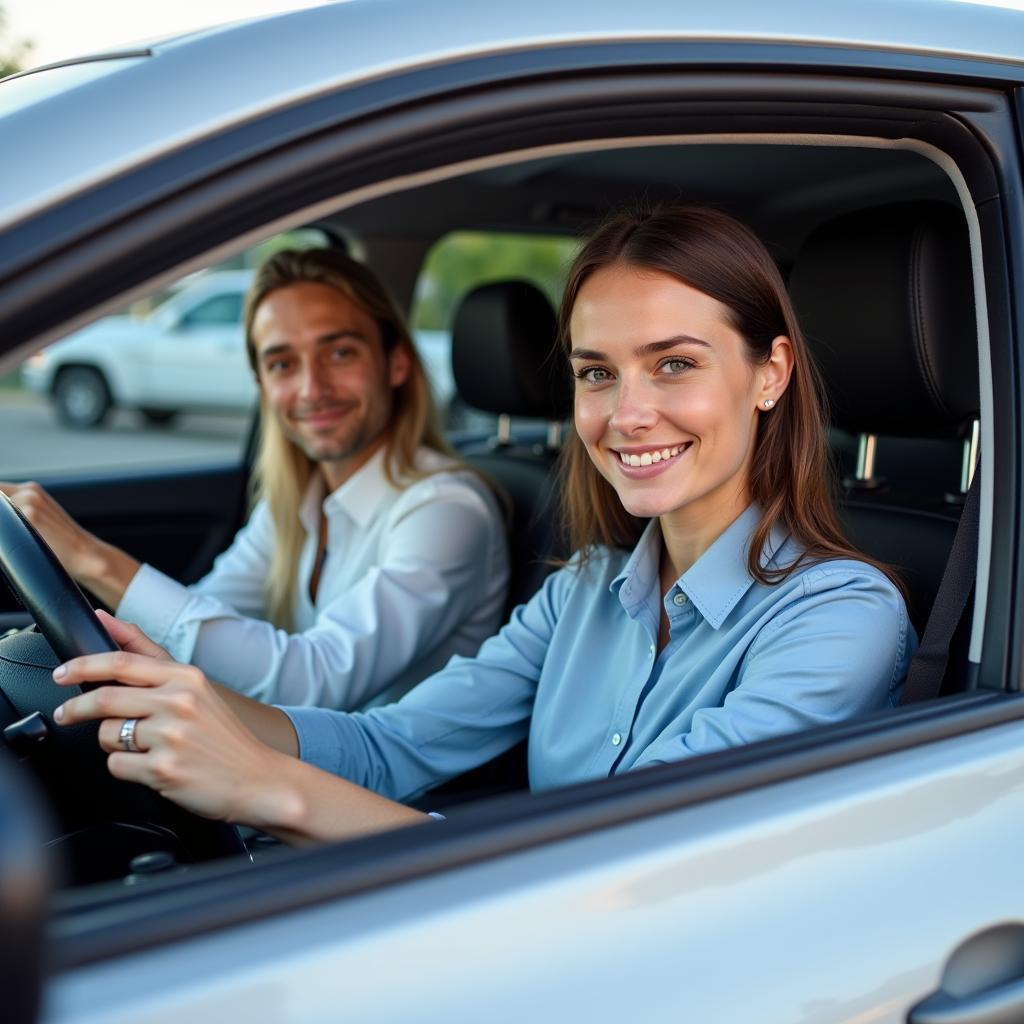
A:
791, 476
283, 471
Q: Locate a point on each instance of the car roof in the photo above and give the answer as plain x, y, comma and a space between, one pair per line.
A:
156, 98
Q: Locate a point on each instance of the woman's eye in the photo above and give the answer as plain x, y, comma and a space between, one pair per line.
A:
593, 375
676, 365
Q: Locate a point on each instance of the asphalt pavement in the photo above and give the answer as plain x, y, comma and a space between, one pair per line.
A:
33, 445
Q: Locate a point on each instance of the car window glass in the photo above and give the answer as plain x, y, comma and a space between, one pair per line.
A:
220, 311
455, 265
164, 383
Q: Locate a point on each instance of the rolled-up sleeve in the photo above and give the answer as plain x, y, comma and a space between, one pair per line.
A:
164, 608
437, 568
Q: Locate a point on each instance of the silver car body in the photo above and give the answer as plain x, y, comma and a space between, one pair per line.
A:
837, 885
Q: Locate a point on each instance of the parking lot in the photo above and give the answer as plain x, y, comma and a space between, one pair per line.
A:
35, 445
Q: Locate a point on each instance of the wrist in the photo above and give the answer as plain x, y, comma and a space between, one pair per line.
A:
106, 571
275, 800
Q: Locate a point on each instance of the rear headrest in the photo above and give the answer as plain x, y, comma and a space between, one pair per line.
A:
505, 352
886, 300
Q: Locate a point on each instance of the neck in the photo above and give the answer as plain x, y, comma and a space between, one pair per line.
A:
688, 532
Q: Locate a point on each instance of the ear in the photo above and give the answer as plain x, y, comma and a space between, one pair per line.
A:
773, 375
399, 365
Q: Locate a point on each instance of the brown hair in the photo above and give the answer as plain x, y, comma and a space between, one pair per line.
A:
791, 477
283, 470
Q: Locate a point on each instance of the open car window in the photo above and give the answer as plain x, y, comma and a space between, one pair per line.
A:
161, 384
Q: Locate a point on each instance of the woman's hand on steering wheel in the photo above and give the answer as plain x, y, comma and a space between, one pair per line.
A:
185, 743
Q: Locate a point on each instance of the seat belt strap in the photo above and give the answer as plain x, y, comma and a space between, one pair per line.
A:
928, 668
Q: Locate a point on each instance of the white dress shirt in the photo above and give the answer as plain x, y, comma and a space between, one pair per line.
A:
410, 577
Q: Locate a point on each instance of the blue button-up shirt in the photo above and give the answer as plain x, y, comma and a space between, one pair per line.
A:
578, 669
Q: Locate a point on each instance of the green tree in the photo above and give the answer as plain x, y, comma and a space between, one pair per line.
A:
465, 259
12, 52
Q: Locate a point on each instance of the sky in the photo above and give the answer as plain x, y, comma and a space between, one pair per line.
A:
70, 28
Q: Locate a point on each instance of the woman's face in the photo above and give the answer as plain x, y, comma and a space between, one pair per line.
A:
667, 399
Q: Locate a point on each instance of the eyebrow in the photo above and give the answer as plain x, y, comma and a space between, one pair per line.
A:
651, 348
324, 339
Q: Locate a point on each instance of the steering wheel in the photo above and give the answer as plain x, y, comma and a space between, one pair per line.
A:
69, 760
53, 599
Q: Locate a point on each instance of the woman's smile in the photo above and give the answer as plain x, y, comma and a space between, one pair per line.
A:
639, 463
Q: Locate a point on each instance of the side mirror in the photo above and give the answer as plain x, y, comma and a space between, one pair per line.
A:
24, 887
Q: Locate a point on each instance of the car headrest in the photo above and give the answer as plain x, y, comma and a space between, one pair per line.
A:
885, 298
505, 352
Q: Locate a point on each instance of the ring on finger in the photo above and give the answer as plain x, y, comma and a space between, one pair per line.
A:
126, 737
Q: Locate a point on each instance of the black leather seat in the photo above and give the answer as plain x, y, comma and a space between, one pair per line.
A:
507, 361
885, 297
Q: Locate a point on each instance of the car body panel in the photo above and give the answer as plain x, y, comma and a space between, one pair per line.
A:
195, 86
827, 898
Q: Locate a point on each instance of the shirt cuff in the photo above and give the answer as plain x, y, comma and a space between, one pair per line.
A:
323, 736
153, 602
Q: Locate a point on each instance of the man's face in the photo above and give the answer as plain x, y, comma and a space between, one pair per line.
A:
324, 373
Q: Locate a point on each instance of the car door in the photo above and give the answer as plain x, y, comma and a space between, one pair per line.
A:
836, 894
837, 875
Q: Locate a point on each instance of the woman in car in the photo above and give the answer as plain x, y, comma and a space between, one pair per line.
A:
712, 600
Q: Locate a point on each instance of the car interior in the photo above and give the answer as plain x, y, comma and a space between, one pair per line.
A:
874, 245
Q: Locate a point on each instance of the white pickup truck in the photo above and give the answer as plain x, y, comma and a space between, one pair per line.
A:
188, 353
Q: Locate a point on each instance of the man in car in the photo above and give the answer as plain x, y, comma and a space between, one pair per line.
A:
372, 554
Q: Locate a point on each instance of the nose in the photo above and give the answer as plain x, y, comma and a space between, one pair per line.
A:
633, 412
311, 383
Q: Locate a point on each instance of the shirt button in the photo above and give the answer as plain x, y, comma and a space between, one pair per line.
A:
679, 599
616, 739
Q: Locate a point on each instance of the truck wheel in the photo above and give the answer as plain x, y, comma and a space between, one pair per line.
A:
81, 397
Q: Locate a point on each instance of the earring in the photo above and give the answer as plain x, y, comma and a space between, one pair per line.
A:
769, 402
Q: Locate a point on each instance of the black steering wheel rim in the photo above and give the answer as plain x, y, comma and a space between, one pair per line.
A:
53, 599
67, 622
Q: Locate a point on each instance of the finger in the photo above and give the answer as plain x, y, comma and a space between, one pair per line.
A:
131, 768
107, 702
124, 667
130, 637
110, 735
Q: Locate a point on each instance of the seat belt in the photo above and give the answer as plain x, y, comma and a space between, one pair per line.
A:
928, 668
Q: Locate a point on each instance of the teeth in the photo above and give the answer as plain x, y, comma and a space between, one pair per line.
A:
649, 458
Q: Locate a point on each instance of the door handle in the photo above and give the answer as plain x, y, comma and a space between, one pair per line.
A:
1003, 1004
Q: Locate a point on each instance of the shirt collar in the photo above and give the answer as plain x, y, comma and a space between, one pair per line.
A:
714, 583
358, 497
